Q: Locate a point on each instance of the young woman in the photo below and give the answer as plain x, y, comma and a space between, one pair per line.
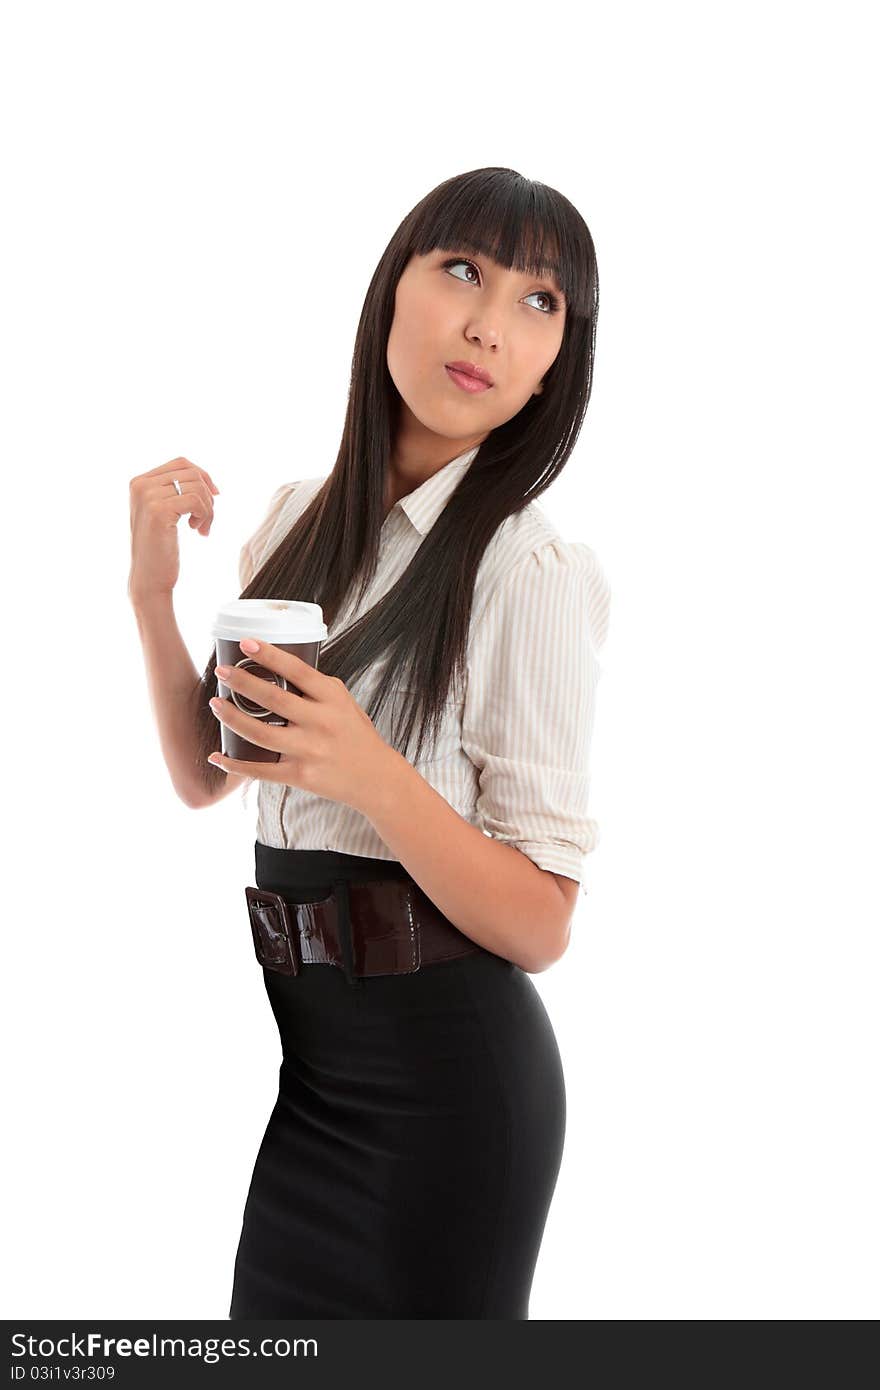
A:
404, 895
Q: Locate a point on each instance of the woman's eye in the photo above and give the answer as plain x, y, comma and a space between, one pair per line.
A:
449, 264
552, 301
546, 295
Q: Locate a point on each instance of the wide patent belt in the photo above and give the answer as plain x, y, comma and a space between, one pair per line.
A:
380, 927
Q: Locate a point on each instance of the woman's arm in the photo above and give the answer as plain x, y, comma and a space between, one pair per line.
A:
526, 727
489, 890
173, 681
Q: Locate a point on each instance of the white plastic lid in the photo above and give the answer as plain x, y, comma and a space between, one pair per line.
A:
276, 620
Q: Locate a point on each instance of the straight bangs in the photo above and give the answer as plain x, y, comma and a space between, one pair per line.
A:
523, 226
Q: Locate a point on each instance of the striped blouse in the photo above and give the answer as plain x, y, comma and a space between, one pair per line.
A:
513, 752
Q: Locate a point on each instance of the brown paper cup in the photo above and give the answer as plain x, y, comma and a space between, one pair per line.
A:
290, 625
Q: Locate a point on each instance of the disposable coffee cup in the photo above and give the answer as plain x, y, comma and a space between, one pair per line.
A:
287, 624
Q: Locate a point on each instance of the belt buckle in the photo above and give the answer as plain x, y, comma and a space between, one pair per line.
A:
276, 935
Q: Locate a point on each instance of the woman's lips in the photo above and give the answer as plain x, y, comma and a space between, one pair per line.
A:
467, 383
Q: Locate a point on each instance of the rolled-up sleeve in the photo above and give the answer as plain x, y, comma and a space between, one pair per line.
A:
257, 546
527, 721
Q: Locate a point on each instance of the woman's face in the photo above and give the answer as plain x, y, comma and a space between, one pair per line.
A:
450, 308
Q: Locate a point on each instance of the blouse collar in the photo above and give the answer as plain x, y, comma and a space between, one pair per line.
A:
425, 503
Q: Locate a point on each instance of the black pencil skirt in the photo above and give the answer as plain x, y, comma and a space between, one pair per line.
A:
409, 1162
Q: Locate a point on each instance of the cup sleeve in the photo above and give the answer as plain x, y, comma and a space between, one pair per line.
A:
527, 722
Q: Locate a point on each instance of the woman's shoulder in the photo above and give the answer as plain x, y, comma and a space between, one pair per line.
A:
289, 501
293, 498
529, 555
286, 504
307, 487
529, 540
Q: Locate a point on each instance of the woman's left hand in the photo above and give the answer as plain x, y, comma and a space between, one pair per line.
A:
330, 747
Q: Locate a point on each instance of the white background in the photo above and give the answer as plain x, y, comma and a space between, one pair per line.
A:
196, 196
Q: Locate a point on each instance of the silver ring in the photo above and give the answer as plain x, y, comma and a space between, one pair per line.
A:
178, 488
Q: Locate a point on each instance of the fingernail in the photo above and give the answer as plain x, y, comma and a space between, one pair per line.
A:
248, 644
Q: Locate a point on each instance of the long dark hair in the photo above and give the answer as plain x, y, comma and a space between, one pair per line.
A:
524, 226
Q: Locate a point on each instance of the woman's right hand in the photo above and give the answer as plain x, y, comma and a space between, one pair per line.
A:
156, 507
